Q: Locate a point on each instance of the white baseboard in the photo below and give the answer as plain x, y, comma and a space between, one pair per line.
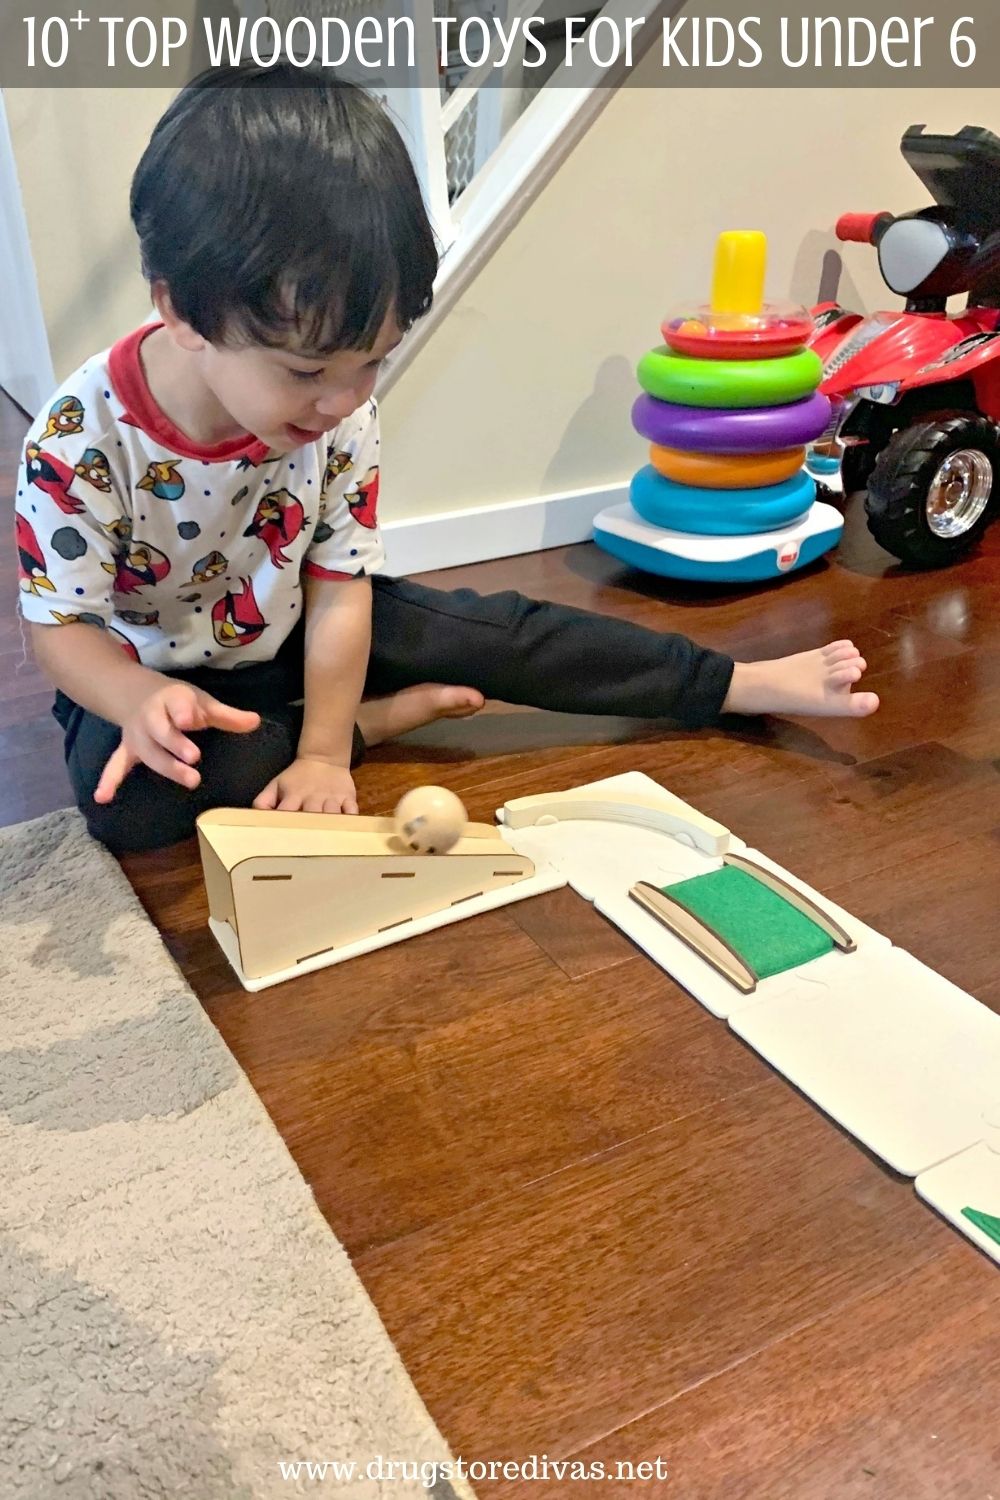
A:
454, 537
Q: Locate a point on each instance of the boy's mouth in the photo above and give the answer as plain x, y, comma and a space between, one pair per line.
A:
303, 434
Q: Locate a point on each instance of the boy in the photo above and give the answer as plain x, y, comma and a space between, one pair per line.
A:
197, 510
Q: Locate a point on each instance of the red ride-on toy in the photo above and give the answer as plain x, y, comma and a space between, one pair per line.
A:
916, 393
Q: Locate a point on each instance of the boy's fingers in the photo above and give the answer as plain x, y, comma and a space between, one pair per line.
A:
221, 716
323, 804
163, 732
268, 798
164, 764
116, 769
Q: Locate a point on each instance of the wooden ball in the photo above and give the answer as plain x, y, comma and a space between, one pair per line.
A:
430, 819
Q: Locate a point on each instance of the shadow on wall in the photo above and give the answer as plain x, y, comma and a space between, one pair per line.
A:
596, 424
819, 274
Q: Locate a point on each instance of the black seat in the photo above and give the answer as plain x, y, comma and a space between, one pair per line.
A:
962, 174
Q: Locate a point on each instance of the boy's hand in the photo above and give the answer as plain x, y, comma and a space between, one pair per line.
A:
310, 784
154, 736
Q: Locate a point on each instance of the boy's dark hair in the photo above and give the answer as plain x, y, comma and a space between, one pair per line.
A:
278, 205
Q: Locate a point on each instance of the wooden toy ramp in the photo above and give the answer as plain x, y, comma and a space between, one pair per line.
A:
292, 892
905, 1061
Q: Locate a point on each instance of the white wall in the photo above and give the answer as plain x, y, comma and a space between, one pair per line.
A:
525, 388
25, 363
76, 150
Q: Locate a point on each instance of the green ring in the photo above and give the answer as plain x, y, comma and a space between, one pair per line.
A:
730, 383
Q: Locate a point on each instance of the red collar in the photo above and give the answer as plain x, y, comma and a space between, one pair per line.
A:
141, 410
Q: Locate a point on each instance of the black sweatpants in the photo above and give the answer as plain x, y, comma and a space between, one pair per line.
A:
511, 648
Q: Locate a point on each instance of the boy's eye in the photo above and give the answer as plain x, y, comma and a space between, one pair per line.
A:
304, 374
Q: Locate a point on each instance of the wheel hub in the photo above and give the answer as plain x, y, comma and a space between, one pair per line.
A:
959, 492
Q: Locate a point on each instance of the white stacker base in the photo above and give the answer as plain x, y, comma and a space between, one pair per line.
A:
754, 558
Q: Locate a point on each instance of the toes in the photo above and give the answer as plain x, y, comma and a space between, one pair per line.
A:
840, 651
863, 704
461, 700
845, 674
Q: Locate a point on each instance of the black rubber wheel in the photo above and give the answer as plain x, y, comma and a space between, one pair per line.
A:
933, 490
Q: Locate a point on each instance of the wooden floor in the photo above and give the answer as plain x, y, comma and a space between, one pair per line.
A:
594, 1222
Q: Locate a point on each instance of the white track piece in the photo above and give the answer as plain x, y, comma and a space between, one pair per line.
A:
707, 985
902, 1058
632, 799
602, 861
970, 1180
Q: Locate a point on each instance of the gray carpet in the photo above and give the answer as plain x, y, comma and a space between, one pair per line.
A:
176, 1318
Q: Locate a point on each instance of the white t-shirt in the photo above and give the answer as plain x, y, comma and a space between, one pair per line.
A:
189, 556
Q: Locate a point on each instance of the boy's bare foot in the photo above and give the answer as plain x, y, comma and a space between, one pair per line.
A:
812, 683
385, 718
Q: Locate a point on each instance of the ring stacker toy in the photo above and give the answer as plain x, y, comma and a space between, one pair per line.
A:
729, 404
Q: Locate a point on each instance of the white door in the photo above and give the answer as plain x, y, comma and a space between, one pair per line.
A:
25, 361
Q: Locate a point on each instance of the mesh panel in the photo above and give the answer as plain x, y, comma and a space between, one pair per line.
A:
460, 141
460, 149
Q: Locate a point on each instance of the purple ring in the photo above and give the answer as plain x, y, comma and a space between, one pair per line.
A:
756, 429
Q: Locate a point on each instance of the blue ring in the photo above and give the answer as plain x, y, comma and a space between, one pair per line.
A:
682, 507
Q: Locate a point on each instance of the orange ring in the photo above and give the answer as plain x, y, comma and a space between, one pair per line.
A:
727, 471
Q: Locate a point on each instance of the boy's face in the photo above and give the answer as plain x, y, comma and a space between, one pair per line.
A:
290, 397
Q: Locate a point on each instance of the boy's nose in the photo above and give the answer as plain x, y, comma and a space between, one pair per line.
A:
338, 405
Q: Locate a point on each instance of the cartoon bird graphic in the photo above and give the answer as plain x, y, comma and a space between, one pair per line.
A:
146, 617
121, 529
278, 519
363, 499
32, 573
65, 418
138, 567
163, 479
208, 567
81, 619
52, 477
95, 469
337, 464
236, 619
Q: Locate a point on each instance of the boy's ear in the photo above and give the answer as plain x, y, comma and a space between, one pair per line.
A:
183, 335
